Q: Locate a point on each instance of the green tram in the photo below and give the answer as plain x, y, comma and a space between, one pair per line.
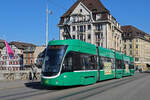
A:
131, 66
74, 62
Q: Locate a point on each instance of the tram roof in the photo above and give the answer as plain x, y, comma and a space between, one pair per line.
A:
73, 42
106, 52
118, 55
126, 58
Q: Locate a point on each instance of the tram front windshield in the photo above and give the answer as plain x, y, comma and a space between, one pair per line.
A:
52, 61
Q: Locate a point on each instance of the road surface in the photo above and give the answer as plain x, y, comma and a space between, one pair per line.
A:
128, 88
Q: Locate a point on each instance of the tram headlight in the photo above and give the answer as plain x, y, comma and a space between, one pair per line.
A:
46, 81
56, 82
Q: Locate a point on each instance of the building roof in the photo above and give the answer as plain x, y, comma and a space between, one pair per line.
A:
21, 45
130, 31
95, 6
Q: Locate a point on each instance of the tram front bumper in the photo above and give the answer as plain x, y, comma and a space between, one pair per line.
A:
51, 82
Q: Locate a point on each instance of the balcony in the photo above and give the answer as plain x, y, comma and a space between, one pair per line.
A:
98, 40
80, 32
98, 30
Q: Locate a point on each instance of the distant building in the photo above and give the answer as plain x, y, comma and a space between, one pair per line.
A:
27, 50
137, 44
7, 63
39, 55
90, 21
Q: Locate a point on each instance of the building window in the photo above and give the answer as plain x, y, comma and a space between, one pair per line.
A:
130, 40
74, 19
125, 46
74, 36
89, 36
81, 28
81, 37
136, 52
101, 35
84, 28
80, 10
130, 52
78, 37
89, 27
136, 40
73, 28
26, 61
97, 36
78, 28
98, 27
136, 59
130, 45
137, 46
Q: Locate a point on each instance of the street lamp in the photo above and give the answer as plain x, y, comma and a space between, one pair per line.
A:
47, 12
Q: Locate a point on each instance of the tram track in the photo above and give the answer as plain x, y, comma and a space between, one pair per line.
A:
19, 94
22, 95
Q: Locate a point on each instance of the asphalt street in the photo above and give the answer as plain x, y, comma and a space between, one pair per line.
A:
127, 88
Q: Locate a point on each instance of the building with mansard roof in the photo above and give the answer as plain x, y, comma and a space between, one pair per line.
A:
90, 21
137, 44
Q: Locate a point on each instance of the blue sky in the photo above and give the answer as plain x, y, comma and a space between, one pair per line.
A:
24, 20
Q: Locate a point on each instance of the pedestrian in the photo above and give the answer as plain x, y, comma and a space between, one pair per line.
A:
34, 70
30, 75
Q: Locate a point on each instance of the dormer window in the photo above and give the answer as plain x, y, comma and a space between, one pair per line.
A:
80, 10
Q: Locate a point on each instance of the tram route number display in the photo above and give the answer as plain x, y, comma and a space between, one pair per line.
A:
107, 68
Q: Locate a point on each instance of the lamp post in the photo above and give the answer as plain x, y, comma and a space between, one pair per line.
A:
47, 25
47, 12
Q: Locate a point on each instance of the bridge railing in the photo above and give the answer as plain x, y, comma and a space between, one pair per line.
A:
19, 74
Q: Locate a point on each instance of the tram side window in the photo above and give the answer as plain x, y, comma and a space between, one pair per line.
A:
123, 64
131, 66
118, 64
126, 63
67, 64
78, 61
104, 62
88, 62
92, 62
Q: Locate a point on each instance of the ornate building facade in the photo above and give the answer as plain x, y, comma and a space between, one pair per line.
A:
90, 21
137, 44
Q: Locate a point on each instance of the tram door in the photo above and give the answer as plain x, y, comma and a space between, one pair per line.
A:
118, 68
